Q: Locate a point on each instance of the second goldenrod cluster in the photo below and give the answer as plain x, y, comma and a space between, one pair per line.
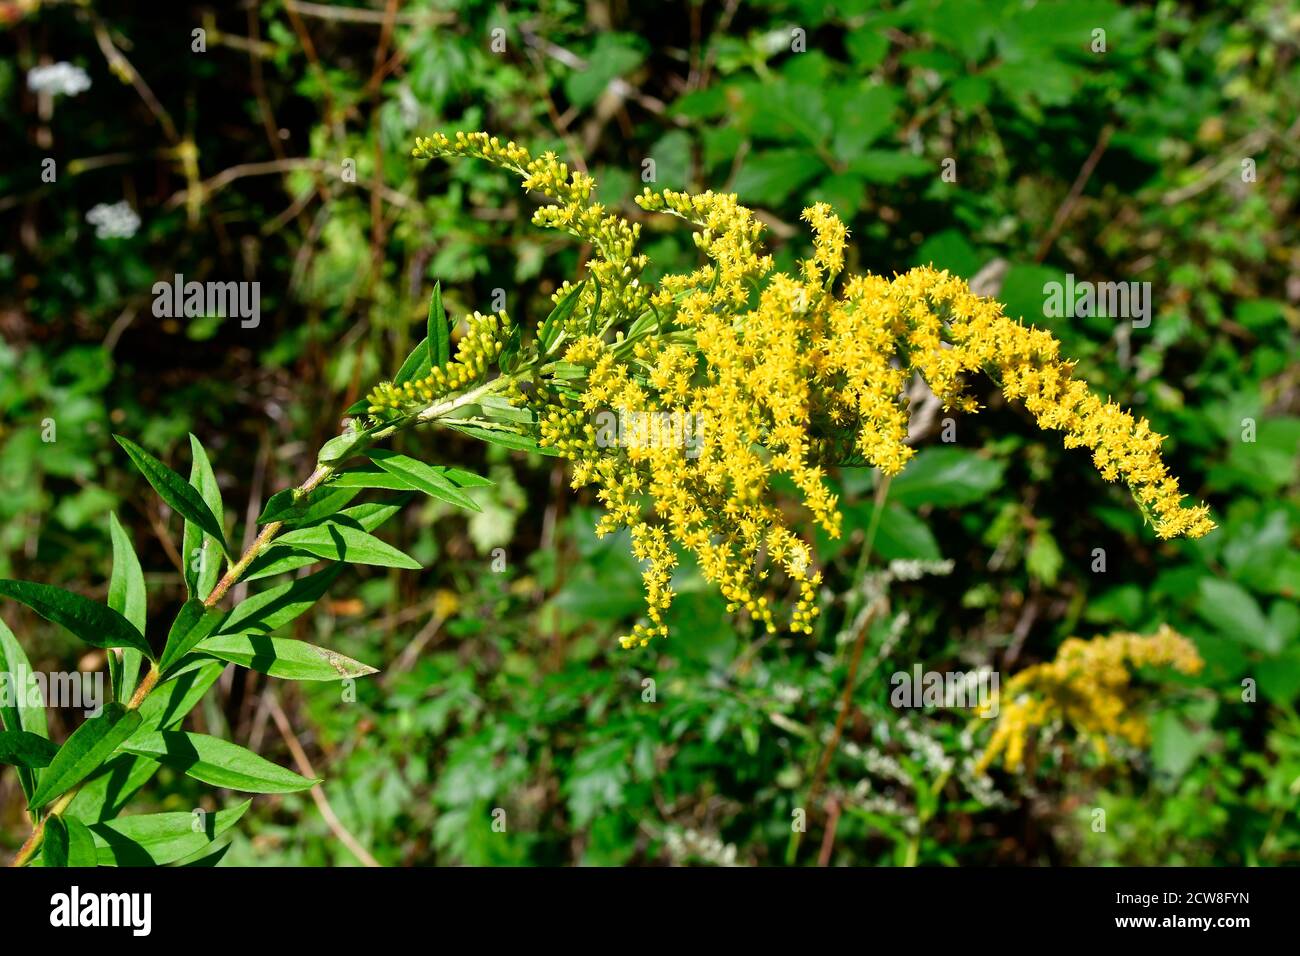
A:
1087, 686
750, 376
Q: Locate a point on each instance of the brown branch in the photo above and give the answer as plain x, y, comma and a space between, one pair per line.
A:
1072, 197
317, 794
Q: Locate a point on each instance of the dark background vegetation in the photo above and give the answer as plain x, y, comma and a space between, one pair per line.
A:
507, 690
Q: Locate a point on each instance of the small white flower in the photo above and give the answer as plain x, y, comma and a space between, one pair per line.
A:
58, 78
118, 221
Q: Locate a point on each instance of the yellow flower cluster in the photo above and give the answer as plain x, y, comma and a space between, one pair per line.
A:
757, 377
616, 267
1088, 687
476, 351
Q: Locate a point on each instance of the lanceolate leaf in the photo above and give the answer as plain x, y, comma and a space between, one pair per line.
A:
205, 859
126, 596
319, 503
202, 564
97, 625
153, 839
340, 542
176, 696
281, 657
416, 364
174, 490
439, 330
422, 477
89, 746
126, 593
506, 439
193, 623
22, 749
277, 560
559, 315
106, 792
218, 762
346, 445
22, 707
263, 613
81, 844
364, 476
373, 514
54, 845
67, 842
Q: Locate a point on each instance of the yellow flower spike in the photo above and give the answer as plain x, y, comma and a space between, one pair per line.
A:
1088, 686
723, 378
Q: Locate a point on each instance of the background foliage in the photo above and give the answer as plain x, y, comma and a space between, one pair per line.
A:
505, 688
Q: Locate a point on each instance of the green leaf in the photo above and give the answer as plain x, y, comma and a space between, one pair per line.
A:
19, 748
902, 535
126, 592
81, 844
505, 439
340, 542
364, 476
23, 708
54, 844
1043, 558
770, 176
106, 792
68, 842
416, 365
372, 514
435, 350
293, 509
463, 478
97, 625
889, 166
126, 596
554, 322
439, 330
193, 623
946, 476
358, 407
273, 608
89, 746
174, 490
276, 560
218, 762
154, 839
194, 547
344, 446
1236, 615
430, 479
205, 859
175, 696
282, 657
613, 55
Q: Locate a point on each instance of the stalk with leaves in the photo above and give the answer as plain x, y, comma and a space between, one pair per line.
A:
777, 376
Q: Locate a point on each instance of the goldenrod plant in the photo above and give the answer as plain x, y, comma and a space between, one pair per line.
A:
778, 375
1088, 686
683, 401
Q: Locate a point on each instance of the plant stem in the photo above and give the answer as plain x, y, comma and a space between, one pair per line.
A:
150, 680
236, 571
861, 627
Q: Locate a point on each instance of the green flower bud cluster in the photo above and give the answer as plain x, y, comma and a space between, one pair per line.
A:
476, 353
